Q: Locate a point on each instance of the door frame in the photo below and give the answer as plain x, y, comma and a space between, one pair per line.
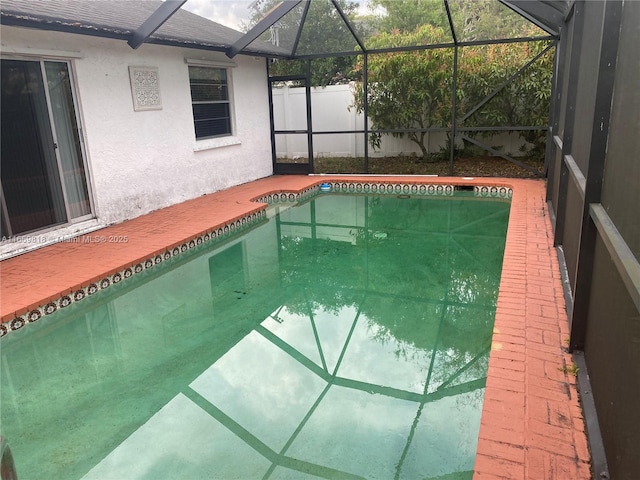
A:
282, 168
41, 59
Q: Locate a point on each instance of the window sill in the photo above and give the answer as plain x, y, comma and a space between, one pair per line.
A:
211, 143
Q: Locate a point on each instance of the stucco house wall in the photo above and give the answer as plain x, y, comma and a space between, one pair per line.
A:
141, 161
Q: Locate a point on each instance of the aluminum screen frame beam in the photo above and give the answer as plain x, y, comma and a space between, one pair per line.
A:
272, 17
450, 20
154, 22
595, 219
303, 20
544, 16
349, 26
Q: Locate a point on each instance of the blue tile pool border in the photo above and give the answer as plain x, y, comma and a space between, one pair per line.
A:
225, 230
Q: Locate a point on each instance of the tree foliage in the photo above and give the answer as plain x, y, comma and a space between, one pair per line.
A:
408, 90
413, 90
484, 20
472, 19
408, 15
522, 102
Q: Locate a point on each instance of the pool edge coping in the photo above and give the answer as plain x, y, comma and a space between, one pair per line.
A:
16, 319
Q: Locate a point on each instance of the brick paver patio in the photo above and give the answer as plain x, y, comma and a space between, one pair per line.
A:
532, 425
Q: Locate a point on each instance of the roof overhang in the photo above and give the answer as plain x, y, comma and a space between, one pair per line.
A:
155, 21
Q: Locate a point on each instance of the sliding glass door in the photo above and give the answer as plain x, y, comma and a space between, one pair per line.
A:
43, 175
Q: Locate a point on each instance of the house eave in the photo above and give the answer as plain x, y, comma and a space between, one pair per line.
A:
27, 21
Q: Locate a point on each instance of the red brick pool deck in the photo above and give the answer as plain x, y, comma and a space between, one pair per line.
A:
532, 424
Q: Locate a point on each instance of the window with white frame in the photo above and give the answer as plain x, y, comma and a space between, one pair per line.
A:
211, 101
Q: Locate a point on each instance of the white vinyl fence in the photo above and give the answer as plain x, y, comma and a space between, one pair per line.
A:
330, 112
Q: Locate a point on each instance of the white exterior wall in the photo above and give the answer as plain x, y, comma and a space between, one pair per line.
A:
145, 160
330, 112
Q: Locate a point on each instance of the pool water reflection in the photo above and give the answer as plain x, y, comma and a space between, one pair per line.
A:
311, 346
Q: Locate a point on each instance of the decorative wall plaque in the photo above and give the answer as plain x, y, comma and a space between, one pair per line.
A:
145, 88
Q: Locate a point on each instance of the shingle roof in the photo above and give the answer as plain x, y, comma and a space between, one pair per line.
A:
119, 19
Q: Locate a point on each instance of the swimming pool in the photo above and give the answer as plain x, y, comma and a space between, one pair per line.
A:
306, 345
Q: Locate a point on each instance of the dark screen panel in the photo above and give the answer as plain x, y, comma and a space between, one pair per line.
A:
621, 191
568, 38
572, 230
587, 83
555, 189
613, 359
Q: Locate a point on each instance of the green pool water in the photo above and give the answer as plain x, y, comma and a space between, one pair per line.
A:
346, 337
